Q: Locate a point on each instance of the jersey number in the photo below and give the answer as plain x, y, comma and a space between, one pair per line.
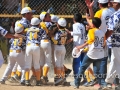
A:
98, 42
33, 35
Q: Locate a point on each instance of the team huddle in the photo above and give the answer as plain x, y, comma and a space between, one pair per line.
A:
40, 43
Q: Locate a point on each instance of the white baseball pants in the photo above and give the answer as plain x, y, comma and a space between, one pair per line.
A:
13, 58
32, 57
59, 55
114, 67
16, 68
45, 53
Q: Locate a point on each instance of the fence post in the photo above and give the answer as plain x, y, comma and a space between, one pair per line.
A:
23, 3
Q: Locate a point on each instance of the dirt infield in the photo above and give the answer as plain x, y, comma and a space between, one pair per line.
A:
50, 86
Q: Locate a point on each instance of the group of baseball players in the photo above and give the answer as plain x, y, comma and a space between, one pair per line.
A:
32, 46
39, 42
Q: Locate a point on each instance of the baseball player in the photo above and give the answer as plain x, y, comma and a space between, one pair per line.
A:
5, 33
27, 14
34, 35
16, 54
114, 32
59, 50
45, 52
53, 29
95, 53
104, 13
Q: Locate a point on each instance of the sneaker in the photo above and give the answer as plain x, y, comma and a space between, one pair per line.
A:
64, 81
67, 72
109, 85
103, 88
55, 78
12, 80
92, 83
2, 81
117, 87
22, 82
45, 80
87, 84
27, 83
16, 78
58, 81
38, 83
73, 84
83, 82
33, 80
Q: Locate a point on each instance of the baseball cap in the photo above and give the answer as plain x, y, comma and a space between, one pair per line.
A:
42, 15
27, 10
35, 21
103, 1
18, 27
118, 1
54, 18
62, 22
76, 53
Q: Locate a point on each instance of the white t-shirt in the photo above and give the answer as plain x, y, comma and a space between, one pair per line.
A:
78, 34
96, 50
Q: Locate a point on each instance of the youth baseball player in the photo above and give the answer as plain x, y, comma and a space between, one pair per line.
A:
27, 14
45, 52
59, 50
114, 32
34, 35
16, 54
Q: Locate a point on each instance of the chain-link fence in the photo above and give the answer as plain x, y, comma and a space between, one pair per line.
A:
63, 8
58, 7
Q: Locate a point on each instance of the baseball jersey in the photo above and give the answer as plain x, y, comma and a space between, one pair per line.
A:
25, 22
35, 34
17, 44
114, 25
78, 34
104, 14
95, 43
3, 32
109, 43
60, 37
45, 26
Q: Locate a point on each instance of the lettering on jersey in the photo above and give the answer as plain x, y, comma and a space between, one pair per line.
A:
33, 33
63, 38
98, 42
18, 42
82, 34
107, 18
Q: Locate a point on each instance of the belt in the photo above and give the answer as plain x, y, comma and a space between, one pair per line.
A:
17, 51
45, 40
35, 44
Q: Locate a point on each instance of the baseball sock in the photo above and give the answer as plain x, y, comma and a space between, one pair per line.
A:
27, 75
12, 74
45, 71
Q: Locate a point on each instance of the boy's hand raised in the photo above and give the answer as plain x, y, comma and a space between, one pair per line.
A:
89, 3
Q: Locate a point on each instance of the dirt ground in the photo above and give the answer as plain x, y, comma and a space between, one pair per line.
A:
50, 86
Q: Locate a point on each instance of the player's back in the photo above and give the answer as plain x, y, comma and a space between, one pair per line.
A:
104, 14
